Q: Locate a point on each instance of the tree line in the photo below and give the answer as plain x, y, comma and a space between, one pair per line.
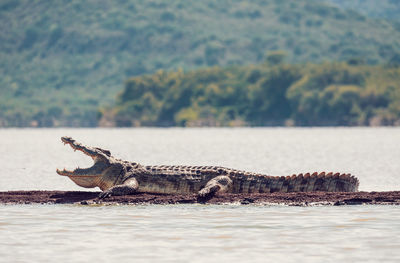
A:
328, 94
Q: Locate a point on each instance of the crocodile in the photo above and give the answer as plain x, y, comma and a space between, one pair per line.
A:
118, 177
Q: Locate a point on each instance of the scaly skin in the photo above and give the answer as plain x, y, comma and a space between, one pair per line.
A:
118, 177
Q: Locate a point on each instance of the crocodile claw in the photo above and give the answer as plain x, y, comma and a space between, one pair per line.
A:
208, 191
105, 194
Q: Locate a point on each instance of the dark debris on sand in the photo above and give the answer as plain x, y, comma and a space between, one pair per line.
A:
293, 199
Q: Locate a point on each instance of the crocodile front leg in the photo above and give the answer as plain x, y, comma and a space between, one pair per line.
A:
130, 186
218, 184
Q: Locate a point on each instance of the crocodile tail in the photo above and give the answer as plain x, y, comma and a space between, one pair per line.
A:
326, 182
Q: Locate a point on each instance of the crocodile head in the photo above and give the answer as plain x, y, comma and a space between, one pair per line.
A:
104, 166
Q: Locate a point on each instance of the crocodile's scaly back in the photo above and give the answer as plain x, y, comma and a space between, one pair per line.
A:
118, 177
296, 183
182, 177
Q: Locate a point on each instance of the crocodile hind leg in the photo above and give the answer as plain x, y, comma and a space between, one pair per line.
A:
130, 186
218, 184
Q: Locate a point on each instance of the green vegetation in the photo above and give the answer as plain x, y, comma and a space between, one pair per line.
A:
62, 60
311, 94
388, 9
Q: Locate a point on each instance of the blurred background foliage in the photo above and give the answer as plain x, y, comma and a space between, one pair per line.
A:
263, 95
63, 62
388, 9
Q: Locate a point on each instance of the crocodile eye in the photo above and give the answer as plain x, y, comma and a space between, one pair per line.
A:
106, 152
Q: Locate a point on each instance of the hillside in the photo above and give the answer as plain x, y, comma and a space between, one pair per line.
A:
61, 60
304, 95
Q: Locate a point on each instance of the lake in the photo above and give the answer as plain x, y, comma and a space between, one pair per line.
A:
198, 233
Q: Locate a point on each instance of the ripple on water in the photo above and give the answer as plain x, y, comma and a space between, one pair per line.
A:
311, 233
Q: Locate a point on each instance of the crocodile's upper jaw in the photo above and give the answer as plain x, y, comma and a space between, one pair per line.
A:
87, 177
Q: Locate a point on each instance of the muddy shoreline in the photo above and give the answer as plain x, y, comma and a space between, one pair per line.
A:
292, 199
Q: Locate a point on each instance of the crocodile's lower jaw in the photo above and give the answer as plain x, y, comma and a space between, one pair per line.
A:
67, 173
87, 181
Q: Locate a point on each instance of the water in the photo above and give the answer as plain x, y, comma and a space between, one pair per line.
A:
198, 233
195, 233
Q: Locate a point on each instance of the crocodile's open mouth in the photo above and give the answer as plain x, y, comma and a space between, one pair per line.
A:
81, 172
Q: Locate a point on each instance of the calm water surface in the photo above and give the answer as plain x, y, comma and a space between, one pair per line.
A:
199, 233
